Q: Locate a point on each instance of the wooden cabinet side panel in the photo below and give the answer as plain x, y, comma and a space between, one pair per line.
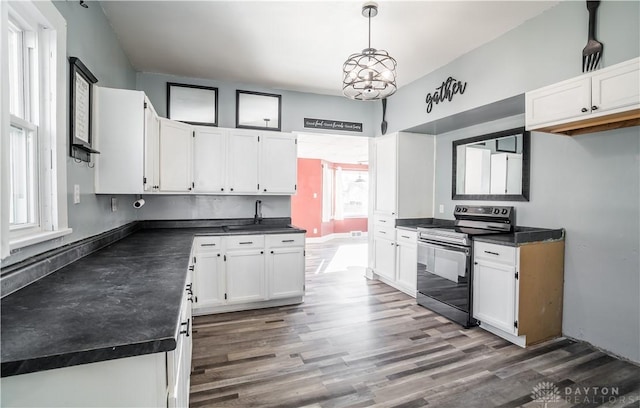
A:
541, 279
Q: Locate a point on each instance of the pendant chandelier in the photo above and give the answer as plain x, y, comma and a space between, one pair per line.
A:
371, 74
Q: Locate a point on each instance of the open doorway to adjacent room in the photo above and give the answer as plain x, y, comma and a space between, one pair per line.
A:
332, 202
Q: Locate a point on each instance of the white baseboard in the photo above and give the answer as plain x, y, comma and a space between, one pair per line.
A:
325, 238
200, 311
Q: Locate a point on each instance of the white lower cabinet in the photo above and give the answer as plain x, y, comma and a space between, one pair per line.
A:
149, 380
245, 276
517, 291
241, 272
396, 257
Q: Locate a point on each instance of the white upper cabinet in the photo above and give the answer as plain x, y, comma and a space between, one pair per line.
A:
120, 126
604, 99
404, 166
209, 160
278, 163
151, 148
243, 153
175, 156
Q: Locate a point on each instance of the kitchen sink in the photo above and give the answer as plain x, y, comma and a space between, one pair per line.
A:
255, 227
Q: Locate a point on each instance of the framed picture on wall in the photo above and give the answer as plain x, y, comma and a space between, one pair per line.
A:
194, 104
81, 97
256, 110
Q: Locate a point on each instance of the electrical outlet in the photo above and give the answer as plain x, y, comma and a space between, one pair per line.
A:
315, 195
76, 193
114, 204
315, 230
441, 208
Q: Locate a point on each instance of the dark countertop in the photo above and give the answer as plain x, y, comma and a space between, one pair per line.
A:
121, 301
522, 235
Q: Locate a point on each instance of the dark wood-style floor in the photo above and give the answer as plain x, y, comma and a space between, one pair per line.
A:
360, 343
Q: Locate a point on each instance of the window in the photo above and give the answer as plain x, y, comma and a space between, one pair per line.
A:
355, 193
33, 204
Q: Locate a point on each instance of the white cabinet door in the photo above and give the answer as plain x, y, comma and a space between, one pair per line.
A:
151, 147
407, 266
243, 162
209, 282
278, 163
245, 276
386, 171
209, 160
175, 156
385, 254
616, 88
494, 294
564, 101
285, 271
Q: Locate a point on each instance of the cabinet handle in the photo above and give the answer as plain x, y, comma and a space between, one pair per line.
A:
383, 220
261, 252
191, 267
231, 189
475, 263
221, 188
186, 331
382, 232
583, 110
393, 243
245, 242
265, 190
404, 236
271, 251
207, 244
287, 240
218, 254
594, 107
492, 253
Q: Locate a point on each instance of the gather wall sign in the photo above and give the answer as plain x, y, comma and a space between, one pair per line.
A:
445, 92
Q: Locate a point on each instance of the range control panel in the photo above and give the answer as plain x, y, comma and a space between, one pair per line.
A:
463, 211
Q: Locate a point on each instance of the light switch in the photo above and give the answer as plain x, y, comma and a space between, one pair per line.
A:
441, 208
315, 195
76, 193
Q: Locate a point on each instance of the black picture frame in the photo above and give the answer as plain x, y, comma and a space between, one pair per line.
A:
81, 82
504, 145
526, 171
246, 116
183, 112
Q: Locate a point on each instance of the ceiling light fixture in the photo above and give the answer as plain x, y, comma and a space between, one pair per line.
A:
371, 74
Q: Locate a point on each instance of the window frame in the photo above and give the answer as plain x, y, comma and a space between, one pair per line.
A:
50, 80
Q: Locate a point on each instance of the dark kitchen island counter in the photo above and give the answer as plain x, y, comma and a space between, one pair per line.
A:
121, 301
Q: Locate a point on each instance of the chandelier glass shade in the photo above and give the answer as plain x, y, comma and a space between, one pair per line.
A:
371, 74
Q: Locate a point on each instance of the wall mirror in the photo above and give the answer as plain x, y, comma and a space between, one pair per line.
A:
494, 166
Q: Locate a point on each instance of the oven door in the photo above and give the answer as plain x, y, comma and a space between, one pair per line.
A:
444, 273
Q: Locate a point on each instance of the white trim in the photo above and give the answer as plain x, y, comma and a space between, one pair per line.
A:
329, 237
22, 242
517, 340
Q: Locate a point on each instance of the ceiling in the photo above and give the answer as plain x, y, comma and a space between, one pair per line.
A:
334, 148
301, 45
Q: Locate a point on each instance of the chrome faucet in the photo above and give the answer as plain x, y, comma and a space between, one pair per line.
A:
257, 218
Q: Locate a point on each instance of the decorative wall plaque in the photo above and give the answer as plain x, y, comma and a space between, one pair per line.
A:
445, 92
332, 125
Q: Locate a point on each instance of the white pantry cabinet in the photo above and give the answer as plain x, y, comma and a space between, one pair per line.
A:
403, 170
175, 156
517, 291
125, 132
605, 99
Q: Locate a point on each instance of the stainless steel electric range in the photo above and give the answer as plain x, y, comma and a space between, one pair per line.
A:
445, 272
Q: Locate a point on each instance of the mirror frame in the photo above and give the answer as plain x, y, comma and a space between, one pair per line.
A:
526, 159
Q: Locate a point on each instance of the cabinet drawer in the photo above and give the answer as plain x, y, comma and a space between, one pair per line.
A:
284, 240
409, 237
384, 220
245, 241
385, 232
203, 244
496, 253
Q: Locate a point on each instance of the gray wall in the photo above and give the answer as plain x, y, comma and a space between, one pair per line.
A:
295, 105
90, 38
587, 184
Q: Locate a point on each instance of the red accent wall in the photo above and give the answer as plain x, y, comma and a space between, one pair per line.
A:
306, 211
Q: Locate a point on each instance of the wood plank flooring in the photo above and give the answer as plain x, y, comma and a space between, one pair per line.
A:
360, 343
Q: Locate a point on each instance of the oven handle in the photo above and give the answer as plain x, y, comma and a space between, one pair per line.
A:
441, 245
